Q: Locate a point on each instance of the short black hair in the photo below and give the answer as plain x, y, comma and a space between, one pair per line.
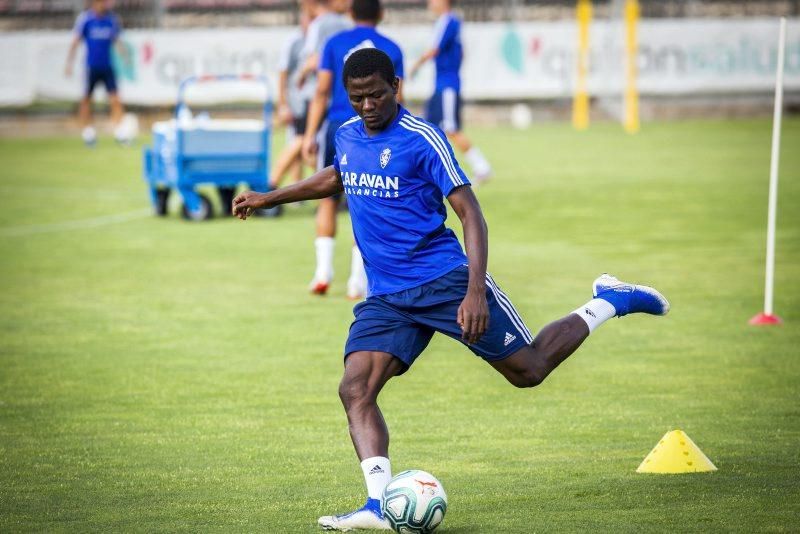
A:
367, 10
366, 62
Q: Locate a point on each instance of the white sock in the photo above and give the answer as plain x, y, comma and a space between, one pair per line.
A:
324, 246
596, 312
358, 276
89, 134
377, 473
480, 166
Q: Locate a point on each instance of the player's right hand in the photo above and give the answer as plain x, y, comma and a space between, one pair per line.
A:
246, 203
310, 148
68, 71
284, 115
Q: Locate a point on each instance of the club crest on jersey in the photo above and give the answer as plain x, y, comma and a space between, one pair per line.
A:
385, 155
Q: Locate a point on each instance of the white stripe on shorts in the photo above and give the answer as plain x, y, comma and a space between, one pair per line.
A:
449, 102
505, 303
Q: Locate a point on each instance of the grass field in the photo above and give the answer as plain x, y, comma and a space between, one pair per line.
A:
159, 375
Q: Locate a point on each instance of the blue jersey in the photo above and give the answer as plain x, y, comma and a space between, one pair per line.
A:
447, 39
395, 183
338, 49
99, 33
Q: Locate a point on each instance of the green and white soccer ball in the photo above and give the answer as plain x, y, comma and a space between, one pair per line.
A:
414, 502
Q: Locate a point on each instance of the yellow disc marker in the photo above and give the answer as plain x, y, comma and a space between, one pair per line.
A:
676, 453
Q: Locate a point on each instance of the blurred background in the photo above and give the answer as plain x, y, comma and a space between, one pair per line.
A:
693, 57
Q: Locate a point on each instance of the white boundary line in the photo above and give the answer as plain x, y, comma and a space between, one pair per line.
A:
81, 224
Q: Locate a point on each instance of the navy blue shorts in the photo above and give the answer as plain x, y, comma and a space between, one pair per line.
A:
403, 323
444, 110
326, 145
106, 75
326, 149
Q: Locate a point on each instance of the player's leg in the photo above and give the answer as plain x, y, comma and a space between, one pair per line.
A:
530, 365
324, 244
357, 282
287, 159
326, 214
451, 124
88, 132
383, 342
365, 374
117, 109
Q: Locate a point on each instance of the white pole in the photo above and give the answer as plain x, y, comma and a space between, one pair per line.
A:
773, 172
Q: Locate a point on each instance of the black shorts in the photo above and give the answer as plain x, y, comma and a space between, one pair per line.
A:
299, 121
105, 75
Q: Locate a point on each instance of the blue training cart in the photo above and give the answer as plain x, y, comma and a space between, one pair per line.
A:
189, 151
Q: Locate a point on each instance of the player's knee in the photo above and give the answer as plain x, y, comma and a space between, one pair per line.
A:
527, 379
353, 392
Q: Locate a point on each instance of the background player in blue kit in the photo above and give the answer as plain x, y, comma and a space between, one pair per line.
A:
99, 28
331, 104
396, 170
444, 107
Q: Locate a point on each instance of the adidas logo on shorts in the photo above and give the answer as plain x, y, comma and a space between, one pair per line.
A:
509, 338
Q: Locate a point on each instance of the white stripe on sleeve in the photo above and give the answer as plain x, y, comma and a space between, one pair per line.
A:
454, 177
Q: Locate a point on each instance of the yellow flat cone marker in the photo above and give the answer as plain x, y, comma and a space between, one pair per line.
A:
676, 453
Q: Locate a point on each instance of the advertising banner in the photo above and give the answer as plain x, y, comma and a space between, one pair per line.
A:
501, 60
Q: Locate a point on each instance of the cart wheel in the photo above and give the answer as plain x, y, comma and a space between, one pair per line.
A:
162, 196
226, 195
271, 212
204, 213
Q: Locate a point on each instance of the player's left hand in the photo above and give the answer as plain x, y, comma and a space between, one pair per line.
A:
473, 316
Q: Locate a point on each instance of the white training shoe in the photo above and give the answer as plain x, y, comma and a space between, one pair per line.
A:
89, 136
367, 517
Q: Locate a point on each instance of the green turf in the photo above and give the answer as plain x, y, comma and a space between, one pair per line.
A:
159, 375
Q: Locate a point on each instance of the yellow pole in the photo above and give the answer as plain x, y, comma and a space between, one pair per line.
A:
580, 101
631, 115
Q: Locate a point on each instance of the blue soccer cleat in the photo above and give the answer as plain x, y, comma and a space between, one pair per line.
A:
629, 298
367, 517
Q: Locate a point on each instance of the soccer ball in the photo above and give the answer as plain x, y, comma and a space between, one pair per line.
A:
521, 116
414, 502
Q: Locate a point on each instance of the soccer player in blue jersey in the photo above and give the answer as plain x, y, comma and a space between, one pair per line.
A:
444, 107
331, 104
396, 170
99, 28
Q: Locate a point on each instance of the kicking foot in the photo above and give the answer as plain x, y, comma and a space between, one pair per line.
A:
629, 298
319, 287
368, 517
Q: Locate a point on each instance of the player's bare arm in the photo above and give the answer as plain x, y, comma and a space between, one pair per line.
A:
308, 69
473, 314
315, 113
73, 48
320, 185
427, 56
123, 52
